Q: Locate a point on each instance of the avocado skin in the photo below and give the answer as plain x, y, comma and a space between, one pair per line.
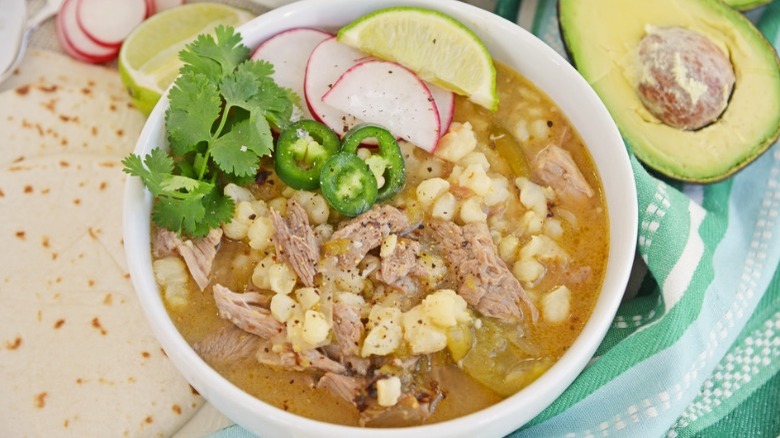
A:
754, 141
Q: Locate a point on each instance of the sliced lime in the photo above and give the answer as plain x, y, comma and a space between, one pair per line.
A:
438, 48
149, 58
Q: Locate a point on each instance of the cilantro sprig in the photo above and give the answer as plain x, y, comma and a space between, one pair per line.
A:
218, 124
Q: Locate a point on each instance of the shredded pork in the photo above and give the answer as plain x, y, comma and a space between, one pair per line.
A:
283, 356
349, 388
198, 254
296, 242
556, 167
364, 233
227, 345
400, 264
483, 279
348, 328
247, 313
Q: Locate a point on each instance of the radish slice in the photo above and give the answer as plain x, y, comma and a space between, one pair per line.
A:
75, 42
390, 95
161, 5
151, 8
290, 64
328, 61
445, 103
67, 47
108, 22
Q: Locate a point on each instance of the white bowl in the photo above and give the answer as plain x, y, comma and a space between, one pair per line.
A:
512, 46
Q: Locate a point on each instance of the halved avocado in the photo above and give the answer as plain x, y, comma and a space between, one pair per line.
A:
602, 36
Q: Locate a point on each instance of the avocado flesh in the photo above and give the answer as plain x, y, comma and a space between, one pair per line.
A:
602, 37
744, 5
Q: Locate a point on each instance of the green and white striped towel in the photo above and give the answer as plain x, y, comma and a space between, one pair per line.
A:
697, 351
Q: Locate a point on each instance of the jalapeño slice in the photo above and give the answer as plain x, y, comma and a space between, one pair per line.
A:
390, 159
347, 184
301, 151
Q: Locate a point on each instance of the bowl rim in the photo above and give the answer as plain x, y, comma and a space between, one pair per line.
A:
502, 417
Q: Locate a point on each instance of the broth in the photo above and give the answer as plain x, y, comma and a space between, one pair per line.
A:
526, 122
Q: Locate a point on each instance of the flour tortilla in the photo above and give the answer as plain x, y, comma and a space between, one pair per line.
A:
76, 354
42, 66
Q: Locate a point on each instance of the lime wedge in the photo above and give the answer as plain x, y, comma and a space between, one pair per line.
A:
149, 58
434, 45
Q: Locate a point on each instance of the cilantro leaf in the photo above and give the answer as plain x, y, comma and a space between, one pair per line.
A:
273, 101
239, 88
158, 165
232, 151
179, 215
219, 210
194, 217
178, 202
293, 97
218, 126
156, 171
258, 68
175, 183
195, 105
260, 136
247, 88
196, 64
215, 59
262, 71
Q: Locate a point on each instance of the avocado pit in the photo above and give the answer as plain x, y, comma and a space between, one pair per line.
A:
685, 80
